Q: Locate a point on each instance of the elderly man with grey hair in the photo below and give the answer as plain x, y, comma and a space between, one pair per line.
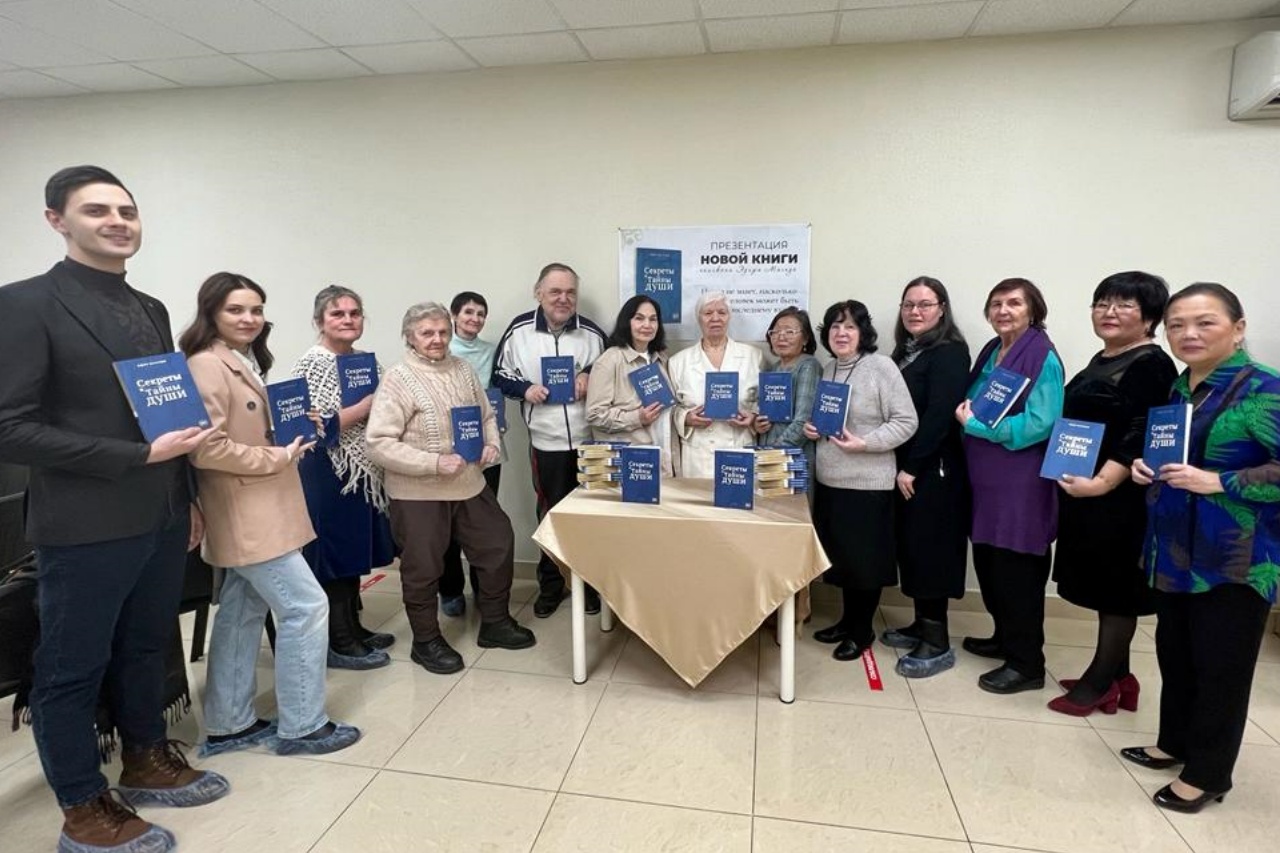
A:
436, 495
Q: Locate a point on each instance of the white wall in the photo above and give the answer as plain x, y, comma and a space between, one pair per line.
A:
1061, 158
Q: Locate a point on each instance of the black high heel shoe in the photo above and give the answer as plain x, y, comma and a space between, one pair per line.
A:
1139, 755
1165, 798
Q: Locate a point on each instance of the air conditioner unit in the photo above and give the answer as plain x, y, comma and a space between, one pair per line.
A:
1255, 79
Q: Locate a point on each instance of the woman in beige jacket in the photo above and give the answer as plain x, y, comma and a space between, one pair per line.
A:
255, 523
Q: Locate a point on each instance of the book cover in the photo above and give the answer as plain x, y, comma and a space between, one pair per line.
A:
658, 273
161, 393
641, 474
468, 432
357, 377
1168, 434
288, 402
830, 407
997, 395
652, 386
734, 482
558, 376
777, 396
499, 405
1073, 449
721, 398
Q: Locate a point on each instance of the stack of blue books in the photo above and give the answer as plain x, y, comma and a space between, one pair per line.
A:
781, 471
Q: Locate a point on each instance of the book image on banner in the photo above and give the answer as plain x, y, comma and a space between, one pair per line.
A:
735, 479
720, 403
997, 395
498, 403
777, 396
652, 386
468, 434
1168, 431
288, 402
641, 473
1073, 449
161, 393
558, 376
830, 407
658, 274
357, 376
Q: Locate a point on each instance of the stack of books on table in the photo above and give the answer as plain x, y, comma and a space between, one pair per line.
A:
599, 464
781, 471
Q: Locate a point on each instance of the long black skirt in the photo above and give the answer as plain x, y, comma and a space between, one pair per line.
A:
933, 534
855, 528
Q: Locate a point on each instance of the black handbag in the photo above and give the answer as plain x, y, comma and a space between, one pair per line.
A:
19, 625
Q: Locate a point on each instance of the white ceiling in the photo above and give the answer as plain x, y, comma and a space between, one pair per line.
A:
72, 47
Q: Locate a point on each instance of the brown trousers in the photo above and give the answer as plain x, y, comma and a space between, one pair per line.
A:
424, 530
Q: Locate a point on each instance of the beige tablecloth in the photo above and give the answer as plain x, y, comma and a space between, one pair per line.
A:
690, 579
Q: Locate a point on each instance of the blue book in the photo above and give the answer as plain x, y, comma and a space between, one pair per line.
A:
357, 377
735, 479
468, 432
652, 386
498, 403
641, 473
161, 393
1168, 434
777, 396
658, 277
1073, 449
830, 407
558, 376
288, 403
997, 395
721, 398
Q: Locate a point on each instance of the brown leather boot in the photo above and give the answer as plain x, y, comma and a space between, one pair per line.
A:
106, 824
160, 776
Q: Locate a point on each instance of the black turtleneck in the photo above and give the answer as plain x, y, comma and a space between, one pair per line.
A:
122, 304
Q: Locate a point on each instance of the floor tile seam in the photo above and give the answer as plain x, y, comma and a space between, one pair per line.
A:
344, 809
610, 680
633, 801
1275, 741
942, 771
401, 771
410, 736
23, 757
568, 768
866, 828
1065, 724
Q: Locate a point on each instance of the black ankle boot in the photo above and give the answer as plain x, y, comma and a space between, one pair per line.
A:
346, 649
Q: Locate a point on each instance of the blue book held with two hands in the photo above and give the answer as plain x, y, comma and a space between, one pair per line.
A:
997, 395
468, 433
288, 403
498, 403
1168, 436
830, 407
777, 396
652, 386
720, 403
558, 377
161, 393
1073, 449
641, 473
735, 479
357, 376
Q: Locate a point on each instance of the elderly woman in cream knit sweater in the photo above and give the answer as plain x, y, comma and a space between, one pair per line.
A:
436, 495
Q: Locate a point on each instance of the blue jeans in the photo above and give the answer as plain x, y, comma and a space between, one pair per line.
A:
108, 611
287, 588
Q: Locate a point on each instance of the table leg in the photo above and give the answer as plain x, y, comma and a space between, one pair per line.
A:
578, 618
606, 617
787, 650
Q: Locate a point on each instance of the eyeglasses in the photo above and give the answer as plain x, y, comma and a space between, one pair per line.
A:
908, 307
783, 333
1118, 307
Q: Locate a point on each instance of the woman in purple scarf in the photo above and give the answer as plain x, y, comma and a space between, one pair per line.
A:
1015, 512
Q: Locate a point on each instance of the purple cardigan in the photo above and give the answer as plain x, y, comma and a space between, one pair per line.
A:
1013, 507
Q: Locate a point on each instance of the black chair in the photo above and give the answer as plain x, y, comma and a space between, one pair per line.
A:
197, 596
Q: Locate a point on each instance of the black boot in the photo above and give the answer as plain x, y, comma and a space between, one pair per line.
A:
372, 639
346, 649
933, 654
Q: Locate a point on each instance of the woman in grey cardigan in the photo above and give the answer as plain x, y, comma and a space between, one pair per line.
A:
855, 474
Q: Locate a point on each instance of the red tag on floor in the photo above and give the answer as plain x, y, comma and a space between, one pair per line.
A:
873, 671
371, 581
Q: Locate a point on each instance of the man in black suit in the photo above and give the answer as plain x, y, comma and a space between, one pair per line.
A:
111, 517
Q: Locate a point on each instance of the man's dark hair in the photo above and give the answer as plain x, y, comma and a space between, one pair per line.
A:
66, 181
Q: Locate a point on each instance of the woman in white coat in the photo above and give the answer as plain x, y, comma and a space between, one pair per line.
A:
715, 351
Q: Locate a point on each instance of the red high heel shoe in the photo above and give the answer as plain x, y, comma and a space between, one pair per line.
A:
1107, 703
1129, 690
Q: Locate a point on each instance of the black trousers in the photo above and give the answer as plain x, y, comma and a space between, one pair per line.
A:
1012, 585
452, 581
1207, 644
555, 475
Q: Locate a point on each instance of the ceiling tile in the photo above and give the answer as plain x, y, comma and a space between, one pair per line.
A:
644, 42
232, 26
760, 8
462, 18
411, 57
104, 27
1008, 17
589, 14
32, 84
324, 63
1192, 11
533, 49
205, 71
28, 48
771, 33
342, 22
116, 77
907, 23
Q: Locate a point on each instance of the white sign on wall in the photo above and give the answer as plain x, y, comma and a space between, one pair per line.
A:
762, 269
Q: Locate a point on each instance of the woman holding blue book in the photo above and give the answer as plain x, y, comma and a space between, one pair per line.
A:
1015, 512
1213, 530
790, 339
1097, 563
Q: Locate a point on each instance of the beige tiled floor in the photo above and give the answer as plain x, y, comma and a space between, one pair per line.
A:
509, 755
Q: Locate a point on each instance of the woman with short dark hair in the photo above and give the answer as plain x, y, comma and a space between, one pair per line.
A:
792, 343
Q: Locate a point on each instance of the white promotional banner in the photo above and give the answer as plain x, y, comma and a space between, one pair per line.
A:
762, 269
